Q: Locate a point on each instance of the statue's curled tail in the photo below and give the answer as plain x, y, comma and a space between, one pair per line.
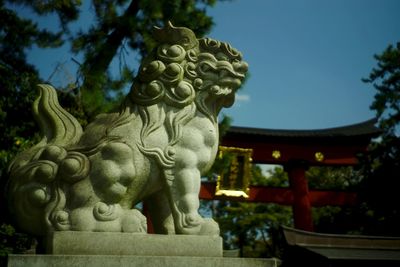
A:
36, 196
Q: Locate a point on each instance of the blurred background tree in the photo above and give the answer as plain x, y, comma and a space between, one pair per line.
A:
381, 166
253, 229
118, 28
17, 82
377, 179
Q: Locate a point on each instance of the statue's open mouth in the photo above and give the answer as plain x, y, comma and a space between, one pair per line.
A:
221, 91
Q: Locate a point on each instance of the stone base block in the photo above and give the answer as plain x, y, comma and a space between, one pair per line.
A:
101, 243
134, 261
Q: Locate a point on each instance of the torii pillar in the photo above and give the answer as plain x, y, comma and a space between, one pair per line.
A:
301, 206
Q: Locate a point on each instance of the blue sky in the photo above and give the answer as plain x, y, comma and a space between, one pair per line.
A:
306, 58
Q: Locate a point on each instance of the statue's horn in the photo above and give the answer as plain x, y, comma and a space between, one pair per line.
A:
175, 35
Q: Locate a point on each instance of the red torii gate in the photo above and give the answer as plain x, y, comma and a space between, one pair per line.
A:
297, 150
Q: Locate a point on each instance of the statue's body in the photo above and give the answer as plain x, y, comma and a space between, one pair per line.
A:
154, 149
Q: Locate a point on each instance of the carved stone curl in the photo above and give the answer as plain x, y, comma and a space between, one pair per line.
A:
155, 149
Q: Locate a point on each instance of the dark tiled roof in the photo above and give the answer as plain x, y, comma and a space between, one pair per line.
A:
363, 129
340, 250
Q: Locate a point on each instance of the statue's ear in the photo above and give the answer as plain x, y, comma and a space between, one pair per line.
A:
175, 35
167, 25
161, 34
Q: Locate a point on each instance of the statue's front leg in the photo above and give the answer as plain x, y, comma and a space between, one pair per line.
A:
184, 188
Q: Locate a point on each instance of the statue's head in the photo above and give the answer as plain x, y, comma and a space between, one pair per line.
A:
183, 69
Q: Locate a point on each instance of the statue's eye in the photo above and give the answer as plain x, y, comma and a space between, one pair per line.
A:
205, 67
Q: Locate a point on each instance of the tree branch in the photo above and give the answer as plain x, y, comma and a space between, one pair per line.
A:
98, 64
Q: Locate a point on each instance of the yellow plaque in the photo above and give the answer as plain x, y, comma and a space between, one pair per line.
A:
235, 173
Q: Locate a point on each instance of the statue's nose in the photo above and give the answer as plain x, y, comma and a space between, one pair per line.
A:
241, 67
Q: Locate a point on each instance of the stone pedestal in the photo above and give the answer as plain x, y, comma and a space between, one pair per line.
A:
93, 249
134, 261
100, 243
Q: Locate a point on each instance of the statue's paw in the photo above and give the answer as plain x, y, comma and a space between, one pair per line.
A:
196, 225
134, 222
209, 227
103, 217
192, 220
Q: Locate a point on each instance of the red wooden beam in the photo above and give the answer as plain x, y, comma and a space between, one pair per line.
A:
334, 154
337, 146
283, 196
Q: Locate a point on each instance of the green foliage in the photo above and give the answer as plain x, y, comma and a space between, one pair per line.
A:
377, 181
12, 241
338, 220
224, 125
334, 219
276, 177
17, 34
333, 178
66, 10
382, 163
386, 80
15, 100
120, 28
253, 228
18, 80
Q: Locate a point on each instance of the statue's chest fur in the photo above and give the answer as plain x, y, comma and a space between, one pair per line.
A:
198, 145
195, 147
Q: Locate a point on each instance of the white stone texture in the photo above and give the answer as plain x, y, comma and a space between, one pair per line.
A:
111, 243
135, 261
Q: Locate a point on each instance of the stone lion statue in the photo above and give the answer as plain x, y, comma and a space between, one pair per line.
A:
155, 149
